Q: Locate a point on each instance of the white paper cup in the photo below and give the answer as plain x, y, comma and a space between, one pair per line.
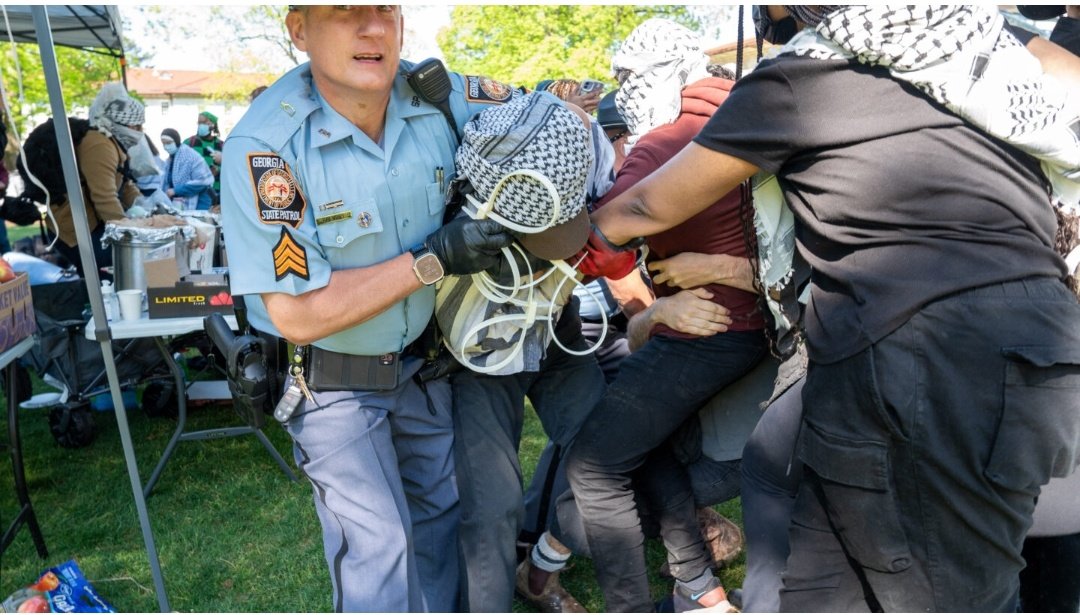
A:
130, 303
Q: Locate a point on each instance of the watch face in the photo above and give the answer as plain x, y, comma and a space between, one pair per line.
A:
428, 269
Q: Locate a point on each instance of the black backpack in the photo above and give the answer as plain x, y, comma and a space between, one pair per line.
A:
43, 159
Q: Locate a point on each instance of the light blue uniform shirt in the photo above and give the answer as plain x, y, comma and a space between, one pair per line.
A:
305, 193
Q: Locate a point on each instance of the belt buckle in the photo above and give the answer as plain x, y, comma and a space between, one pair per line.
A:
387, 359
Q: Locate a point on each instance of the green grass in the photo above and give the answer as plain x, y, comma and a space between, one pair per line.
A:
233, 534
16, 233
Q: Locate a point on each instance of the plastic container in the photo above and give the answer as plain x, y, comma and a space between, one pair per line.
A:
102, 402
108, 297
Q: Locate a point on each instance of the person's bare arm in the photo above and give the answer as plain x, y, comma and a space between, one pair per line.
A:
352, 297
631, 293
689, 311
1057, 61
684, 186
693, 269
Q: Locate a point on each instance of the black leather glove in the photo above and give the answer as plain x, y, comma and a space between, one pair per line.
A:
504, 276
466, 246
443, 364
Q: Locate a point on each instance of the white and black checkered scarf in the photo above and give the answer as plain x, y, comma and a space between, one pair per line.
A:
963, 58
658, 59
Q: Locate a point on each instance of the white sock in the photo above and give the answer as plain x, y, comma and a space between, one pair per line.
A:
546, 558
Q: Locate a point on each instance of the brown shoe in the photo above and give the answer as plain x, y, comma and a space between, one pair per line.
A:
723, 538
553, 599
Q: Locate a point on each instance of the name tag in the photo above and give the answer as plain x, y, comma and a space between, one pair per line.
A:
336, 217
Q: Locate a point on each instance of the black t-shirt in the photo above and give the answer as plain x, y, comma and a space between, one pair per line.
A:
1067, 34
898, 201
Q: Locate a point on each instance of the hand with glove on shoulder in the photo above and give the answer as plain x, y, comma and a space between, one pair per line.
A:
602, 259
465, 246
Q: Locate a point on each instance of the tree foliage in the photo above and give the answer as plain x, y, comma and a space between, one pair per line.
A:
526, 43
249, 41
82, 73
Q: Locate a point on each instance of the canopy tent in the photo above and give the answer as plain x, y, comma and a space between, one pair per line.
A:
96, 28
90, 27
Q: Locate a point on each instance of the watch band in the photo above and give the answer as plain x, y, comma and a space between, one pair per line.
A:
426, 265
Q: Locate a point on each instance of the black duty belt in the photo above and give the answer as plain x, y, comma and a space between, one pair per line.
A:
326, 370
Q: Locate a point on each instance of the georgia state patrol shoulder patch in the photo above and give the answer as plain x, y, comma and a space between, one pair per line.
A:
276, 194
485, 90
290, 258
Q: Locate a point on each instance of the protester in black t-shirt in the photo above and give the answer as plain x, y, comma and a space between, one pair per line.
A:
937, 319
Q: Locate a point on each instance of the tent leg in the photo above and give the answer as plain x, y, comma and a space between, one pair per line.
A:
93, 284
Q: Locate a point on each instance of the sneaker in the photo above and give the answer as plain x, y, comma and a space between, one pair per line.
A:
723, 538
711, 599
735, 598
553, 599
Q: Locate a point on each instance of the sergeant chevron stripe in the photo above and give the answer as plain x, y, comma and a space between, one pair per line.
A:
289, 257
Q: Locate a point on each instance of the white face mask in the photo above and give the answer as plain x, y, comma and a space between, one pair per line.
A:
522, 291
129, 137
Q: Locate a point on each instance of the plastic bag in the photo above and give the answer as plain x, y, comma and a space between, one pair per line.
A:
63, 589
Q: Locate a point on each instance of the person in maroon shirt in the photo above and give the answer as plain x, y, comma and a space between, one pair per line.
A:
680, 367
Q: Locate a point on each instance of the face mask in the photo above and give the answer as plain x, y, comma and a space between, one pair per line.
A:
775, 32
204, 130
128, 137
171, 148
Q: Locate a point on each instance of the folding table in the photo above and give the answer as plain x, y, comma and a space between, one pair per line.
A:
26, 515
159, 329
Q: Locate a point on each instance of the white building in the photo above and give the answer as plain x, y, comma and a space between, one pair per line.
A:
174, 98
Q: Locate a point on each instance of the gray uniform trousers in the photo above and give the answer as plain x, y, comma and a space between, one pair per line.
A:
383, 475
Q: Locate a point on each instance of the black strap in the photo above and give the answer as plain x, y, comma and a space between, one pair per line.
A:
240, 309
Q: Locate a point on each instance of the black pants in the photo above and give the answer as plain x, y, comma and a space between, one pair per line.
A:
658, 387
924, 454
1051, 581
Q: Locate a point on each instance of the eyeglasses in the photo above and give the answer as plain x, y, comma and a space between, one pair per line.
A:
622, 133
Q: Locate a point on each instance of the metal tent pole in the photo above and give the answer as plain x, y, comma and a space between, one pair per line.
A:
93, 283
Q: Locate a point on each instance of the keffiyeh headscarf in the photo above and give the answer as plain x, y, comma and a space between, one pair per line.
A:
113, 111
185, 167
657, 59
963, 58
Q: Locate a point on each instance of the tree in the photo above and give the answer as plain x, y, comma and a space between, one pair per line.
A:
527, 43
82, 73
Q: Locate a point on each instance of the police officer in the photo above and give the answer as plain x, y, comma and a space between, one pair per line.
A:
332, 207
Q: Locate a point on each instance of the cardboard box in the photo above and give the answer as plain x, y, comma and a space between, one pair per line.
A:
195, 295
162, 267
17, 320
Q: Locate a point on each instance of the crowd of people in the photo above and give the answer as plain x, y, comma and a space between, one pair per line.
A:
122, 173
856, 312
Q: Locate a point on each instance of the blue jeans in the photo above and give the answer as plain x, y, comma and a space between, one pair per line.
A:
924, 454
658, 388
